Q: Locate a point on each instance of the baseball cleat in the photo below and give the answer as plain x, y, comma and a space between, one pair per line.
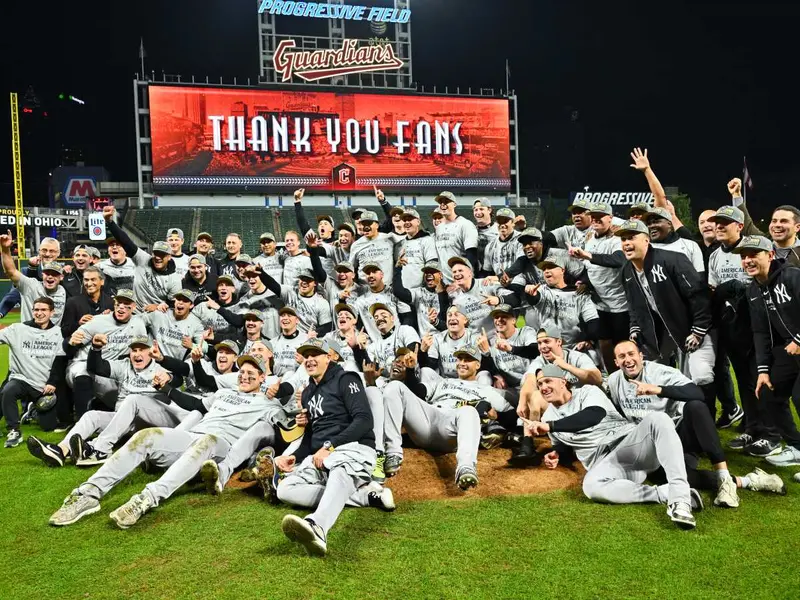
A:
740, 441
267, 474
209, 473
727, 496
525, 455
761, 481
726, 421
493, 435
305, 532
383, 500
466, 478
129, 513
378, 474
790, 457
92, 458
392, 464
75, 507
77, 447
13, 439
30, 415
763, 448
680, 513
49, 454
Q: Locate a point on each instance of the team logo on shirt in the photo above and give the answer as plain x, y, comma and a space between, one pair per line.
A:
315, 406
658, 274
781, 295
353, 387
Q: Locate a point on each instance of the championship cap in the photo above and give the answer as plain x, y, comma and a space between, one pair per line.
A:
557, 260
226, 279
432, 266
409, 214
125, 294
348, 226
579, 204
204, 235
175, 231
141, 341
468, 351
256, 314
550, 370
659, 212
53, 266
600, 208
83, 247
287, 310
306, 274
502, 309
266, 236
397, 210
728, 214
253, 360
484, 202
402, 351
335, 346
379, 306
642, 208
459, 260
313, 346
345, 267
531, 232
93, 251
342, 306
369, 216
327, 218
162, 247
551, 332
187, 295
198, 257
244, 259
445, 197
356, 212
632, 226
229, 345
371, 266
754, 242
504, 214
436, 213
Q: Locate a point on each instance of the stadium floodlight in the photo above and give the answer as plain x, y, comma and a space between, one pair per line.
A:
78, 100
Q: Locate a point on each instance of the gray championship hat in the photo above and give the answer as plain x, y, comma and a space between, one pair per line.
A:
175, 231
445, 197
288, 310
342, 306
93, 251
313, 346
632, 226
436, 213
432, 266
348, 226
371, 266
226, 279
187, 295
754, 242
244, 259
141, 341
266, 236
345, 266
409, 214
124, 294
641, 208
306, 274
53, 266
256, 314
659, 212
253, 360
229, 345
601, 208
728, 214
83, 247
162, 247
459, 260
502, 309
335, 346
468, 351
327, 218
530, 232
550, 332
204, 235
484, 202
553, 261
504, 214
579, 204
369, 216
549, 370
379, 306
198, 257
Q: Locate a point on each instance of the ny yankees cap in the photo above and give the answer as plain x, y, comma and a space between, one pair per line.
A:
306, 274
436, 213
379, 306
197, 257
641, 208
410, 214
204, 235
348, 226
244, 259
253, 360
125, 295
459, 260
53, 266
342, 306
468, 351
161, 247
504, 214
328, 218
287, 310
549, 332
369, 216
754, 242
484, 202
345, 267
225, 279
371, 266
175, 231
397, 211
266, 236
313, 346
187, 295
579, 204
141, 341
445, 197
228, 345
601, 208
530, 233
632, 226
432, 266
659, 212
553, 261
728, 214
502, 310
551, 371
255, 314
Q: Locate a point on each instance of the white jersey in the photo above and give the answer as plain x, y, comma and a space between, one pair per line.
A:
447, 394
293, 266
725, 266
635, 408
118, 276
150, 287
271, 265
169, 332
131, 381
569, 235
454, 238
471, 303
284, 350
571, 357
231, 413
314, 311
565, 309
348, 359
366, 298
31, 352
382, 350
419, 250
30, 289
690, 249
211, 318
500, 254
590, 444
514, 365
424, 299
331, 290
379, 250
181, 264
118, 335
485, 236
444, 346
607, 281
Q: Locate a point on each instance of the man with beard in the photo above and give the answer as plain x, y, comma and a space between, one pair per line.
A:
455, 237
73, 275
313, 310
382, 349
505, 249
374, 248
92, 301
154, 278
431, 300
487, 231
175, 243
199, 279
377, 291
176, 330
663, 235
233, 248
437, 350
30, 288
269, 260
419, 249
117, 268
475, 298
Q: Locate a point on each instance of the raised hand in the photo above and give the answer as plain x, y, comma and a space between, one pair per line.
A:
212, 304
6, 241
433, 315
298, 194
67, 269
532, 289
370, 370
272, 390
427, 342
155, 352
76, 339
197, 353
579, 253
34, 261
362, 339
108, 213
491, 300
735, 187
411, 360
160, 379
208, 334
503, 345
99, 340
312, 241
378, 193
491, 280
186, 342
402, 261
483, 341
312, 333
640, 160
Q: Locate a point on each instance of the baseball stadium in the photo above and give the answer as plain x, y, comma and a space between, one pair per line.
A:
326, 346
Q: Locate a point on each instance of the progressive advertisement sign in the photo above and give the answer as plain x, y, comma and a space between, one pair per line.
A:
206, 139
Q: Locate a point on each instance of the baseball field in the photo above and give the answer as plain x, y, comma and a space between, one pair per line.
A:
551, 544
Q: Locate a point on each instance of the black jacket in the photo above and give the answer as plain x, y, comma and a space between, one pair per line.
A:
680, 294
774, 307
203, 291
73, 282
81, 305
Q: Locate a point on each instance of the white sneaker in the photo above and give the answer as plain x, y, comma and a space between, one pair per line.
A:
129, 513
76, 506
761, 481
790, 457
680, 513
727, 495
209, 473
383, 500
305, 532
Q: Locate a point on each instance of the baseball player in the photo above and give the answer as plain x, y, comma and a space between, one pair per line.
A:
430, 299
117, 268
455, 237
475, 298
175, 243
487, 230
377, 291
286, 344
374, 248
438, 349
419, 249
505, 249
381, 350
176, 330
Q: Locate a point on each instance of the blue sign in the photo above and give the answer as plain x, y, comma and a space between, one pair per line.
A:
323, 10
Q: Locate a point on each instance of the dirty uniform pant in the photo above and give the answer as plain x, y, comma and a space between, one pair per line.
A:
259, 435
183, 452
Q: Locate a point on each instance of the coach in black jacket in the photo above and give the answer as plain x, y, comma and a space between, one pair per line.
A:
775, 314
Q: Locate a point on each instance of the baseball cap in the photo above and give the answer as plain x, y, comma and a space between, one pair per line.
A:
93, 251
186, 294
640, 208
205, 235
459, 260
313, 346
371, 266
125, 294
175, 231
259, 316
287, 310
345, 266
356, 212
485, 202
551, 331
227, 345
432, 266
468, 351
378, 306
445, 197
549, 370
140, 341
436, 212
335, 346
506, 214
553, 261
306, 274
501, 309
348, 226
253, 360
369, 216
198, 257
402, 351
225, 279
728, 213
161, 247
601, 208
53, 266
266, 236
632, 226
409, 214
244, 259
397, 210
658, 212
342, 306
579, 204
327, 218
530, 232
753, 242
83, 247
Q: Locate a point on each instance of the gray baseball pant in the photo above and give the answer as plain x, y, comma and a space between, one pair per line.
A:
152, 411
438, 429
259, 435
183, 452
90, 422
375, 398
618, 477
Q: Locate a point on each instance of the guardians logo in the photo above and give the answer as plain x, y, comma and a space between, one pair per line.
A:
322, 64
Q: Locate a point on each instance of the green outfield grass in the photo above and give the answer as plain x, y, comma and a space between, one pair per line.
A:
556, 545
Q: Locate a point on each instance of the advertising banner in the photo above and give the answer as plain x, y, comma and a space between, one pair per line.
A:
246, 140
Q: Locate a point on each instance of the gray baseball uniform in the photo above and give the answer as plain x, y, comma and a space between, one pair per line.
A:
30, 289
724, 266
566, 310
444, 346
169, 331
379, 251
419, 251
151, 287
31, 352
689, 248
607, 281
501, 254
454, 238
571, 357
635, 408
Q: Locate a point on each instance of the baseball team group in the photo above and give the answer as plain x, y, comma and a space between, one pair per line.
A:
309, 368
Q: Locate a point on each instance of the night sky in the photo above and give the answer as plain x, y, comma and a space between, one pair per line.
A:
700, 84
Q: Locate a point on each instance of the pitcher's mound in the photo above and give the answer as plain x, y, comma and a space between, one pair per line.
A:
426, 476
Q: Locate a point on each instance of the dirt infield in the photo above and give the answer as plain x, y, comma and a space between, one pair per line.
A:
426, 476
